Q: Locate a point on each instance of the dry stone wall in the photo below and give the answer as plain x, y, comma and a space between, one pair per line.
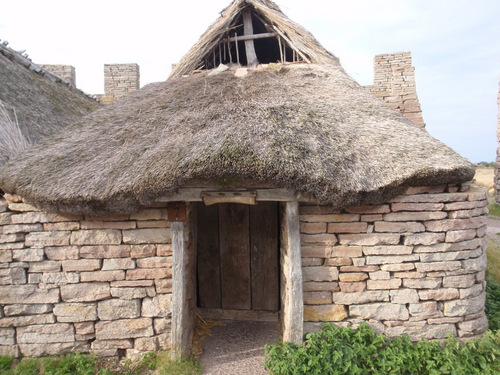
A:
120, 80
394, 83
415, 265
84, 283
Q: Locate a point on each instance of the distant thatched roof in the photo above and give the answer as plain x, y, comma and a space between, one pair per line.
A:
309, 128
42, 106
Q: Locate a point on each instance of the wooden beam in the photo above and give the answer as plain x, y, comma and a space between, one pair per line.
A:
253, 37
291, 268
242, 197
306, 59
249, 45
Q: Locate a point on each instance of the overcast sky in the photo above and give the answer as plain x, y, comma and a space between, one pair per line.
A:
455, 46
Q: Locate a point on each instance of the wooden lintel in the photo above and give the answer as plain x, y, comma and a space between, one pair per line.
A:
242, 38
273, 195
242, 197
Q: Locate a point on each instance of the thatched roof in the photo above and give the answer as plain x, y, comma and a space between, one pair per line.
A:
309, 128
42, 105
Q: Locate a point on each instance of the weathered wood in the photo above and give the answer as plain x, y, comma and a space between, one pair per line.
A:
293, 306
194, 195
243, 315
253, 37
181, 337
264, 256
234, 256
306, 59
241, 197
208, 267
249, 45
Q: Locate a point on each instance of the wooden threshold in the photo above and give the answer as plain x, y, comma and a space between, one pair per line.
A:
242, 315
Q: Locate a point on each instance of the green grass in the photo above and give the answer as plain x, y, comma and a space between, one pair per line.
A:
157, 363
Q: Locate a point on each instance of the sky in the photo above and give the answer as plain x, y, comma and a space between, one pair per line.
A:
455, 45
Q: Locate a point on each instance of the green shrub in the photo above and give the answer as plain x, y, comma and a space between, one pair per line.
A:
337, 351
5, 363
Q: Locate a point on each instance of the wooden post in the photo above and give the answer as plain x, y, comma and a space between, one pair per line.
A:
181, 337
249, 45
291, 266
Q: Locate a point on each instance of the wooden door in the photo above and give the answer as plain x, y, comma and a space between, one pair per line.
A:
238, 257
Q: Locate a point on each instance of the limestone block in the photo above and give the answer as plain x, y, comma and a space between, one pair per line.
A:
75, 312
337, 262
415, 216
45, 266
369, 209
147, 236
321, 273
28, 255
29, 294
326, 239
145, 251
473, 327
346, 251
308, 262
449, 320
159, 306
354, 227
454, 255
383, 284
324, 313
20, 321
409, 275
404, 296
5, 256
19, 309
102, 276
473, 291
118, 264
114, 309
387, 250
149, 273
330, 218
428, 332
21, 228
352, 276
461, 281
105, 251
62, 252
161, 325
464, 306
124, 329
379, 311
128, 293
146, 344
313, 228
424, 238
475, 264
154, 262
37, 350
454, 224
369, 239
108, 225
12, 276
61, 226
84, 328
438, 266
399, 227
460, 235
360, 297
312, 286
359, 268
371, 218
85, 292
352, 287
9, 351
96, 237
132, 283
424, 310
81, 265
464, 214
59, 278
425, 283
397, 207
317, 298
392, 259
442, 294
46, 333
41, 239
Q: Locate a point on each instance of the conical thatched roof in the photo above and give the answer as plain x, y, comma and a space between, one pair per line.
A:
41, 106
306, 127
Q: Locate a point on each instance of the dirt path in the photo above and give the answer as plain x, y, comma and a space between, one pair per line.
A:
238, 348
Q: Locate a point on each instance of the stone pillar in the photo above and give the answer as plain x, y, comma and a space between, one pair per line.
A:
65, 72
120, 80
497, 164
394, 83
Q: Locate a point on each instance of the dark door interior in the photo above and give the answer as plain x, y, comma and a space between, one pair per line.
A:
238, 256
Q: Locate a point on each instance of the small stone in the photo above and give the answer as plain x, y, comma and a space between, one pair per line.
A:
320, 274
147, 236
85, 292
343, 298
404, 296
124, 329
114, 309
75, 312
159, 306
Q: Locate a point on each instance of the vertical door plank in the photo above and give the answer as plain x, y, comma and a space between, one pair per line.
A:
208, 265
235, 256
264, 256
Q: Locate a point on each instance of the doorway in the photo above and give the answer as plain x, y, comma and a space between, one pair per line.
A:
238, 268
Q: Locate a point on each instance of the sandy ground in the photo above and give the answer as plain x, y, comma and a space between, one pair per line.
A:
238, 348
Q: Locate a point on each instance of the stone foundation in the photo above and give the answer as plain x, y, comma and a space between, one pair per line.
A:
415, 265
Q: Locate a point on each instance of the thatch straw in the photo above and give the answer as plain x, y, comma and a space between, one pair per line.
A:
309, 128
12, 140
42, 106
269, 11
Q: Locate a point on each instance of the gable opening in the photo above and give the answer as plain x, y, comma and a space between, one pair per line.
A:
251, 40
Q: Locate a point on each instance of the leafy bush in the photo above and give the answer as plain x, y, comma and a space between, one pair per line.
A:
337, 351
